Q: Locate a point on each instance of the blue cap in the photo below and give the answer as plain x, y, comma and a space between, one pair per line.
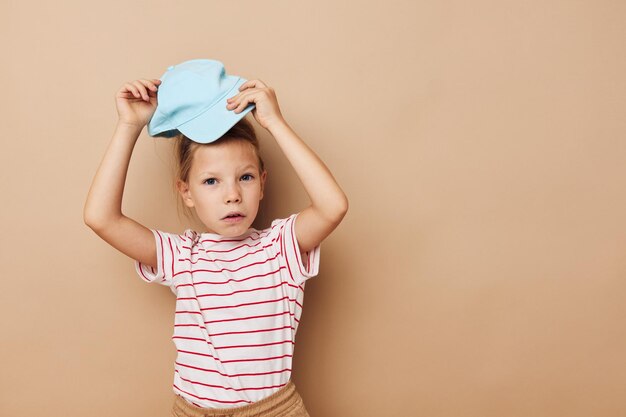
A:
191, 99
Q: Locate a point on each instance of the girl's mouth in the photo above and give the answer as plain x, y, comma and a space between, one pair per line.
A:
233, 219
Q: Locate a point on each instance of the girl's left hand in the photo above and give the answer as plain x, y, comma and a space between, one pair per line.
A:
266, 111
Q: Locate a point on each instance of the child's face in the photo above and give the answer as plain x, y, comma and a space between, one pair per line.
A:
224, 178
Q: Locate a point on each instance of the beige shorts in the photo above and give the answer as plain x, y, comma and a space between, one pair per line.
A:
286, 402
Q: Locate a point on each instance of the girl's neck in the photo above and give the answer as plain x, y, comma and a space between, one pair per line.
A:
217, 236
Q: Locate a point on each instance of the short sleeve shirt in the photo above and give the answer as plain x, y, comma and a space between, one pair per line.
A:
238, 304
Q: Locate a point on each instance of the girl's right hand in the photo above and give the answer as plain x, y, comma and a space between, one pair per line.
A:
136, 101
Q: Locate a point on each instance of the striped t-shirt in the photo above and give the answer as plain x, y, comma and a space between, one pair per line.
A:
238, 305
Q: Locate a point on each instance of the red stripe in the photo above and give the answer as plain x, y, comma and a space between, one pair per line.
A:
237, 269
183, 238
312, 260
286, 355
228, 388
200, 339
285, 257
261, 344
235, 360
143, 275
231, 375
172, 254
294, 242
254, 331
242, 332
198, 353
162, 253
229, 280
209, 399
238, 318
240, 291
251, 317
248, 304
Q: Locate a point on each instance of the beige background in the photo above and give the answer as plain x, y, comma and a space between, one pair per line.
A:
480, 270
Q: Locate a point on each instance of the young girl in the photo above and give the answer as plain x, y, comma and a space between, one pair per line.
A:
239, 291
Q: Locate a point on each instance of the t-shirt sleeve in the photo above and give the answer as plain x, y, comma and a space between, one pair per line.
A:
169, 247
286, 245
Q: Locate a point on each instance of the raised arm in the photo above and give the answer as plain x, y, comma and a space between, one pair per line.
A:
329, 204
103, 208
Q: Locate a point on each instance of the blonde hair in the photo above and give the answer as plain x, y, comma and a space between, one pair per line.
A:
185, 148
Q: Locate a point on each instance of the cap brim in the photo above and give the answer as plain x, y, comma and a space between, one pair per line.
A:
212, 124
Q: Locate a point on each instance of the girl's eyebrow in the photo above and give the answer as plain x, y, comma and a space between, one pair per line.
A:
248, 166
202, 174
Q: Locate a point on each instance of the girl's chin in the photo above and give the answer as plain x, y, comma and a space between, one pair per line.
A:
232, 234
234, 230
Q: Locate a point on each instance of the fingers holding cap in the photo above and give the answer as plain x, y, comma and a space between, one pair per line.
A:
148, 83
252, 83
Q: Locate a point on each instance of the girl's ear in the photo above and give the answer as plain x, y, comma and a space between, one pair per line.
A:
183, 189
263, 178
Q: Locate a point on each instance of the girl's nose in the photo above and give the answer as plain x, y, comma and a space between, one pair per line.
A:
233, 195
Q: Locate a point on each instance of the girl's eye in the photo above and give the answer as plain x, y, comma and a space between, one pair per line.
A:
208, 180
247, 175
